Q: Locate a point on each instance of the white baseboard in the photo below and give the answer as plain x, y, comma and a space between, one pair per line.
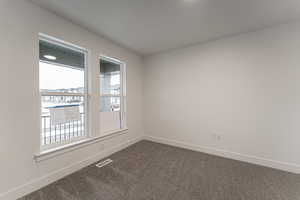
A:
289, 167
36, 184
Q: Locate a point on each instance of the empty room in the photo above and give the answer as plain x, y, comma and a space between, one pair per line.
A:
150, 100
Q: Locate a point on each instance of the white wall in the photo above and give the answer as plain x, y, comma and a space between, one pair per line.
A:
245, 88
20, 23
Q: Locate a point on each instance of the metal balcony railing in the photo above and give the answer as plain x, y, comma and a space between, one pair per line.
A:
52, 134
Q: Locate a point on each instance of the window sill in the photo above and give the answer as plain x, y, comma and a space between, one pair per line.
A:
47, 154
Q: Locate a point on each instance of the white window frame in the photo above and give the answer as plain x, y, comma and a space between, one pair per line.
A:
85, 94
123, 97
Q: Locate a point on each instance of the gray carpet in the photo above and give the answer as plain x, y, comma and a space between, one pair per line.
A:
152, 171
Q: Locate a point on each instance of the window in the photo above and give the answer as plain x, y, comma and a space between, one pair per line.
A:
63, 89
112, 95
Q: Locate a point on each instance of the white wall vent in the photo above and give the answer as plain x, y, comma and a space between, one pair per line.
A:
104, 162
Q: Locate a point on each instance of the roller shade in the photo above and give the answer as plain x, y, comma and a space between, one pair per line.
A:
63, 55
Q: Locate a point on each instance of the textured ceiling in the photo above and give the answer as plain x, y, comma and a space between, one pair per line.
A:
152, 26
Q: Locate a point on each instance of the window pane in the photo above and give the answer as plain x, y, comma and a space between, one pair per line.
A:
60, 132
111, 96
54, 78
109, 104
62, 55
61, 71
109, 78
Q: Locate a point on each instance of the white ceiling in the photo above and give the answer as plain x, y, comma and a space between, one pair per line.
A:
152, 26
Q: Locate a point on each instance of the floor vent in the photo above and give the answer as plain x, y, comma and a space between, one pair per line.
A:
104, 162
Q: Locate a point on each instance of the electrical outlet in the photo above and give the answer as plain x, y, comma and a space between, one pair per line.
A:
216, 137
